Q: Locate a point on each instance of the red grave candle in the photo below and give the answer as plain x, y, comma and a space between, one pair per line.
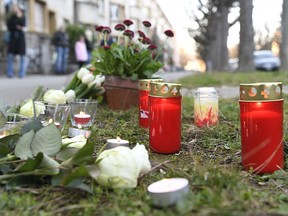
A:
144, 88
261, 115
165, 117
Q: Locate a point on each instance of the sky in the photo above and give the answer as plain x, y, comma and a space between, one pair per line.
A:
265, 12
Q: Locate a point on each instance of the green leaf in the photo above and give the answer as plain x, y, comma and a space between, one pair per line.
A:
80, 172
31, 164
80, 185
66, 153
23, 148
33, 124
74, 174
83, 155
48, 166
38, 93
4, 150
10, 141
3, 119
47, 140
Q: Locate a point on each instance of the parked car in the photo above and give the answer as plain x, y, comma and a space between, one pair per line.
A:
266, 60
263, 60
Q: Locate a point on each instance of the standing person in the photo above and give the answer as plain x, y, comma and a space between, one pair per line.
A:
89, 44
81, 52
89, 47
61, 42
16, 44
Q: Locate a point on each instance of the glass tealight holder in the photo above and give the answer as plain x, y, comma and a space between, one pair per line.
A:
83, 112
53, 113
206, 107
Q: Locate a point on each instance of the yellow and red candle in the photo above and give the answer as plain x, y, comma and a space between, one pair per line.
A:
205, 107
261, 115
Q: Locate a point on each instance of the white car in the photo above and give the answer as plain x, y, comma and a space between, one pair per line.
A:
266, 60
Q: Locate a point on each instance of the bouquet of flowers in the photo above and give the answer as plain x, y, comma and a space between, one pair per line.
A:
131, 56
85, 84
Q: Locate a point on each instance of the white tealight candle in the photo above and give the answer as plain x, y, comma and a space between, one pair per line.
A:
76, 131
113, 143
168, 192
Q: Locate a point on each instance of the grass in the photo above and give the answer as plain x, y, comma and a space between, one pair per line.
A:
232, 79
210, 159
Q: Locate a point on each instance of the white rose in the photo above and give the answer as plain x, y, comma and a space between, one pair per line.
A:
141, 156
83, 71
118, 168
76, 142
70, 95
54, 97
100, 77
27, 109
88, 78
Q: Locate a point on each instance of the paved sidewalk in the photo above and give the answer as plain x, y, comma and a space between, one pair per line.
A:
12, 91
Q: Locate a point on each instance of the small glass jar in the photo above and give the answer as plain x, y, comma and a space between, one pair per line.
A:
205, 107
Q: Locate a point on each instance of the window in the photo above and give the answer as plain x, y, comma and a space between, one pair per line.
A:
114, 12
39, 24
101, 6
133, 2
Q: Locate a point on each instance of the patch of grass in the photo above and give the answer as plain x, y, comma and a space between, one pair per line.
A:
232, 79
209, 158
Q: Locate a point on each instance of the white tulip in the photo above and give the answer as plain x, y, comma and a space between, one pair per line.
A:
27, 109
141, 156
118, 168
54, 97
101, 91
83, 71
95, 82
70, 95
86, 79
100, 77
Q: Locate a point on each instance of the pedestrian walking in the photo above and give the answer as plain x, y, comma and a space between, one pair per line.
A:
60, 40
16, 42
81, 52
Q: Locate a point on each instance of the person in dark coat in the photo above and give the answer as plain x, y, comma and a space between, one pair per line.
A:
16, 44
60, 40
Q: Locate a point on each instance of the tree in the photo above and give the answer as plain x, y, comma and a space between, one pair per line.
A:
212, 32
246, 46
284, 42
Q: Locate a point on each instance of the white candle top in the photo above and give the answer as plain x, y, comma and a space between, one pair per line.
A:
118, 141
82, 115
168, 185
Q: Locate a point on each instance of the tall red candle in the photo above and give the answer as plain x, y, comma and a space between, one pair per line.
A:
144, 88
165, 117
261, 115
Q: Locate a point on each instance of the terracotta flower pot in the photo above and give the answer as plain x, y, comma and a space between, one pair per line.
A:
121, 94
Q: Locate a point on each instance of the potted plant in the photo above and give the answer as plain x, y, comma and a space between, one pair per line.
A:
124, 62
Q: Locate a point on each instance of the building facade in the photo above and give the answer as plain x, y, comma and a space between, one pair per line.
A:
44, 17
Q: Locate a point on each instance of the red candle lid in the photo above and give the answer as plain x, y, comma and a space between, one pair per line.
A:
261, 91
